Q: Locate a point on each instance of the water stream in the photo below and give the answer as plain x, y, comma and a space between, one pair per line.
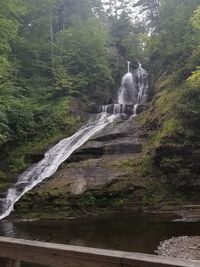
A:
52, 160
133, 91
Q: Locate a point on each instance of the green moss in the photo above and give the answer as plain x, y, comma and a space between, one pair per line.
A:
169, 127
140, 166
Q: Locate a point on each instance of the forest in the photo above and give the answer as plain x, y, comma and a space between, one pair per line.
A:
62, 59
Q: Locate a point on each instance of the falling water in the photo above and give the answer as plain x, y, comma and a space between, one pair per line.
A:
134, 88
114, 109
133, 91
52, 160
128, 64
135, 107
143, 85
126, 92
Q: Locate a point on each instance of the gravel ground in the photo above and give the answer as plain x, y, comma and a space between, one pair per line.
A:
184, 247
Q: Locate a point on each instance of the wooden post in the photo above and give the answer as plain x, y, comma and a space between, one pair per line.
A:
13, 263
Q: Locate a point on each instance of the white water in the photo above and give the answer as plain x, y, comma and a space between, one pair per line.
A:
128, 63
127, 90
143, 85
114, 109
134, 88
135, 110
133, 91
52, 160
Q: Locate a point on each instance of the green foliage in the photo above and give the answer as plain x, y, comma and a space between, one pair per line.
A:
63, 80
50, 50
196, 19
173, 41
84, 55
4, 129
194, 79
169, 127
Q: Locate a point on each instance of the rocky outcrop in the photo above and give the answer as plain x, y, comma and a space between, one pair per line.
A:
92, 168
149, 162
95, 164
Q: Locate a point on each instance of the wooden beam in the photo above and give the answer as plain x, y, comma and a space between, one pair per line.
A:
57, 255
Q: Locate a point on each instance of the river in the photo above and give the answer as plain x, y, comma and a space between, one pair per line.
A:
127, 232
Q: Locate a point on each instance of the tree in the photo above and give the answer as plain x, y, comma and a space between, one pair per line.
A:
114, 8
151, 12
9, 24
171, 42
194, 79
85, 55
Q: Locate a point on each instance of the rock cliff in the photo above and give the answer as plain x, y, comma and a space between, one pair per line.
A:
92, 170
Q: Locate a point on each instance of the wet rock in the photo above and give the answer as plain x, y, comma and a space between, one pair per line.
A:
76, 178
118, 138
94, 164
99, 148
34, 158
141, 108
92, 107
108, 100
189, 213
93, 167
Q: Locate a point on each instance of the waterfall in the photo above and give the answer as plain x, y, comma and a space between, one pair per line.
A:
114, 109
128, 64
52, 160
143, 84
133, 91
127, 90
134, 88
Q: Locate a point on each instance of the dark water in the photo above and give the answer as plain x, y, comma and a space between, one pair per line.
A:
120, 232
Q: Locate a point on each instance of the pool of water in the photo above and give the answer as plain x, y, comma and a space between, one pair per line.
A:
127, 232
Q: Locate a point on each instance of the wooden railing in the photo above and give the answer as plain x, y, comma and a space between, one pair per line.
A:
16, 251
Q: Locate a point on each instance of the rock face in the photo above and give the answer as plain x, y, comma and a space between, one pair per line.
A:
95, 164
149, 162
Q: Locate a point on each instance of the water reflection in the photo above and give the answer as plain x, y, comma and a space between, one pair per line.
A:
7, 229
120, 232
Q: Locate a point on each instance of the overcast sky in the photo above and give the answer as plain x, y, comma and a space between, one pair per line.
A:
135, 11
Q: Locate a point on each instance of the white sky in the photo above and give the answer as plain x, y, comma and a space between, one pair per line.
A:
135, 11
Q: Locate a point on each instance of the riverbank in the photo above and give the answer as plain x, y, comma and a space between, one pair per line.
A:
184, 247
184, 213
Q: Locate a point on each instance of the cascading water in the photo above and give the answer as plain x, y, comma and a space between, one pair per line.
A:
143, 85
127, 90
134, 88
128, 64
133, 91
51, 161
